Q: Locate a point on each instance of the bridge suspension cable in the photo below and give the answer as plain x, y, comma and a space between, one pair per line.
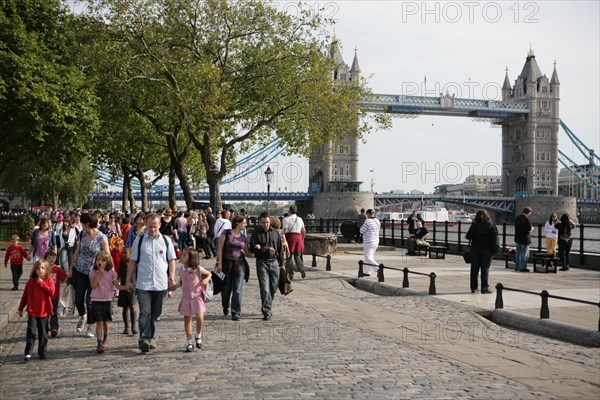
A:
588, 174
248, 164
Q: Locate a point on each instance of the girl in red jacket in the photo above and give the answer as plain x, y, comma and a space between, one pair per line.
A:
38, 299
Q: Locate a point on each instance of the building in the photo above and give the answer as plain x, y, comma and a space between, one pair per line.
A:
334, 166
476, 185
530, 144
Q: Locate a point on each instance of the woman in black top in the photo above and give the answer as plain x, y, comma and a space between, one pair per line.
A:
564, 240
483, 235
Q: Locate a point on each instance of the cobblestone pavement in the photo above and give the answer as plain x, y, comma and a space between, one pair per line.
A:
326, 340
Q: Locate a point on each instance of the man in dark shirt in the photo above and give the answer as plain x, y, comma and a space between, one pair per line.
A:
210, 219
523, 239
421, 234
265, 244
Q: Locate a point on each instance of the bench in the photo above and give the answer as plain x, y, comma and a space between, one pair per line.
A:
509, 257
546, 260
422, 247
437, 250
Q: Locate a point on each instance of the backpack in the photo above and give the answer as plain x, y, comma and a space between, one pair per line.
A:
140, 245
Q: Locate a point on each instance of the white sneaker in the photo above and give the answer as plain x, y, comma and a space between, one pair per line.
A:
80, 324
89, 333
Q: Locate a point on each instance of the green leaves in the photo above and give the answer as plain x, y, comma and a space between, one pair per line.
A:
47, 105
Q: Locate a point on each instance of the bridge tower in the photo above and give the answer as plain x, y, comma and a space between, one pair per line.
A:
530, 144
333, 167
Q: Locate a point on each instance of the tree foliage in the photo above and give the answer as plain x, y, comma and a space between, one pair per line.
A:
225, 76
47, 104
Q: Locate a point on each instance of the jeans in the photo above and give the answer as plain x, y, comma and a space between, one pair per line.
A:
65, 257
268, 281
17, 271
39, 326
182, 241
480, 262
211, 245
564, 252
521, 257
54, 318
232, 290
83, 291
151, 303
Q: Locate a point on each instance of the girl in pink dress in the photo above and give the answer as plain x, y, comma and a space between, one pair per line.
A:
193, 280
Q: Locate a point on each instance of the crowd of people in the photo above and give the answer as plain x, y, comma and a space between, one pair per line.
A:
483, 242
104, 255
134, 258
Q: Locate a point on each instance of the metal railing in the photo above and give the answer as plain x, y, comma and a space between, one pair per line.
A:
405, 271
327, 265
586, 238
544, 310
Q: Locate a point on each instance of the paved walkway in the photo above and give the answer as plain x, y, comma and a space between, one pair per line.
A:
326, 340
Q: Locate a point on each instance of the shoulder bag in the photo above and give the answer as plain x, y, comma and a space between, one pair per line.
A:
467, 254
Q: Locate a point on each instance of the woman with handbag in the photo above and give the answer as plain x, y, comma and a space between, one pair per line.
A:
564, 227
232, 243
483, 235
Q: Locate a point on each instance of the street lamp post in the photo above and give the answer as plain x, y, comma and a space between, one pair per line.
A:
269, 176
214, 170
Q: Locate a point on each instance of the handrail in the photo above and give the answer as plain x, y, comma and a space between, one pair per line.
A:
405, 271
327, 265
544, 310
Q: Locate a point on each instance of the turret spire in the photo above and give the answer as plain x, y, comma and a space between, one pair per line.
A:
554, 80
506, 81
355, 67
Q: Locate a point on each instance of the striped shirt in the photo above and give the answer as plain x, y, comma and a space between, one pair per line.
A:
370, 230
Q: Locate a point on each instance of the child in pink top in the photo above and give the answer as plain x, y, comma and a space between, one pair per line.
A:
103, 280
193, 280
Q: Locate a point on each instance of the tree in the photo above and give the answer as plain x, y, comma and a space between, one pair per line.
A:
229, 76
47, 105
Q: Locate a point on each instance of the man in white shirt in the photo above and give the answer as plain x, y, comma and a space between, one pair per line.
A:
294, 232
221, 225
154, 259
370, 232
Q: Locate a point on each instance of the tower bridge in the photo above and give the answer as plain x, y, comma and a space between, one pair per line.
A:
528, 114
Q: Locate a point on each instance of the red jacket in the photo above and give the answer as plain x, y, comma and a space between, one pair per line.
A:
16, 253
116, 259
38, 298
59, 276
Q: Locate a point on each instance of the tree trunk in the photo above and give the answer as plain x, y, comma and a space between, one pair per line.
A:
126, 190
183, 183
214, 190
143, 191
131, 199
172, 198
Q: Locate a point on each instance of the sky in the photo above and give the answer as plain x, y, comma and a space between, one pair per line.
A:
465, 47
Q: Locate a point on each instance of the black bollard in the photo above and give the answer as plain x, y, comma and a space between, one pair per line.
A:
432, 283
499, 300
328, 265
405, 278
545, 311
380, 277
360, 269
314, 261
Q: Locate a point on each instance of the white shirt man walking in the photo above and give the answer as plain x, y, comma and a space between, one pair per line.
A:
154, 259
370, 232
